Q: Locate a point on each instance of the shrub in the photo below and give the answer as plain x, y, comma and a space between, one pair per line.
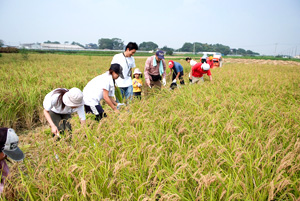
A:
9, 50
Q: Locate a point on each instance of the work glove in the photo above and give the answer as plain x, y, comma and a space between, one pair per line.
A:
119, 105
164, 81
174, 81
139, 85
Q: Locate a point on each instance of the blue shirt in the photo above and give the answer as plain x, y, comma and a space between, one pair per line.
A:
178, 67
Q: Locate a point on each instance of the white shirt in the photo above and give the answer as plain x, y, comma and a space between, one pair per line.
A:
193, 62
121, 59
93, 91
50, 103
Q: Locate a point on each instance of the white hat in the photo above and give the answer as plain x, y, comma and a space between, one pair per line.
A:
205, 66
9, 144
137, 71
73, 98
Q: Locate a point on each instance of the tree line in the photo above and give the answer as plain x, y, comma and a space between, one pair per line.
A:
118, 44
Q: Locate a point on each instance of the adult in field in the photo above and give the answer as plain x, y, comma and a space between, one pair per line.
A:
192, 62
102, 87
59, 104
127, 62
176, 70
9, 148
155, 70
199, 70
210, 62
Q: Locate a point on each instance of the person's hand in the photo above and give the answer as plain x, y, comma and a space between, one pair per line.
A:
54, 130
164, 81
148, 82
174, 81
139, 85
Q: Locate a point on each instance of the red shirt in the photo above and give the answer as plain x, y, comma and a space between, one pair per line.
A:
211, 63
198, 72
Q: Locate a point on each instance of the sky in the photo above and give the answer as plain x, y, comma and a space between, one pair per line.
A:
269, 27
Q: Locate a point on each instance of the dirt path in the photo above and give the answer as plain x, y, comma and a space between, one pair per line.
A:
261, 61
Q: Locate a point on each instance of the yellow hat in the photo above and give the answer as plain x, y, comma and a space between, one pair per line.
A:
210, 58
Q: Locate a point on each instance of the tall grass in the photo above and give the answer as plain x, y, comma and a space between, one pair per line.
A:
234, 139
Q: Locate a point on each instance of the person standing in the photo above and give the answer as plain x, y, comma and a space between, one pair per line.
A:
192, 62
9, 147
102, 87
155, 70
127, 62
177, 71
137, 83
59, 104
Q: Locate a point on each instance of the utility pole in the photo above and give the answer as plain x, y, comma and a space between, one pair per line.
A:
275, 49
194, 49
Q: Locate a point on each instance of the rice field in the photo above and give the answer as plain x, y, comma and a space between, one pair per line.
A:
234, 139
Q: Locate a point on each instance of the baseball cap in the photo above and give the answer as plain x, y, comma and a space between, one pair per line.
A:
9, 144
117, 69
160, 54
73, 98
171, 64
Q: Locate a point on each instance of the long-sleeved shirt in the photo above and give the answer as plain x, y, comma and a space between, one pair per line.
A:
135, 86
153, 70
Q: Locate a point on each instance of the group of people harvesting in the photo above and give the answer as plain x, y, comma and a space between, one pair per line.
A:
60, 103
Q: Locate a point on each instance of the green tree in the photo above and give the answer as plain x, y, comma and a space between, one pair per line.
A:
118, 44
187, 47
168, 50
1, 43
111, 44
76, 43
50, 42
147, 46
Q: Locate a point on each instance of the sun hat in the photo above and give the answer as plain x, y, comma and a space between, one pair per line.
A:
73, 98
205, 66
171, 64
160, 54
137, 71
117, 68
9, 144
210, 58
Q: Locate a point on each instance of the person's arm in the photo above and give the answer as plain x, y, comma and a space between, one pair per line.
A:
2, 156
210, 78
54, 129
134, 83
177, 76
113, 101
170, 72
146, 71
108, 100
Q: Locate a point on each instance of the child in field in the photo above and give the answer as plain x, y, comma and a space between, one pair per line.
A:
9, 147
137, 83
